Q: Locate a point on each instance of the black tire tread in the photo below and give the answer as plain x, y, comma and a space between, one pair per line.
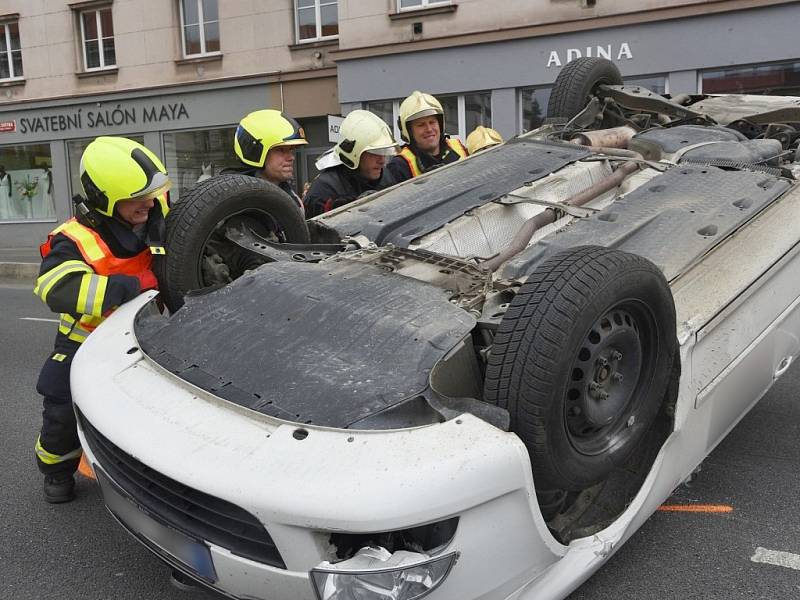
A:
575, 82
521, 368
196, 206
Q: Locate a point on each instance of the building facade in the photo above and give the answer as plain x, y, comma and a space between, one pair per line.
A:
178, 75
494, 63
174, 75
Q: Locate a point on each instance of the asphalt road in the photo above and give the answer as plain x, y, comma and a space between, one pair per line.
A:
77, 552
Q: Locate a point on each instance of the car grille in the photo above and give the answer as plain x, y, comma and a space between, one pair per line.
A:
190, 511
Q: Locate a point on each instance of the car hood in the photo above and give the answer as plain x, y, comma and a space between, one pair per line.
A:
327, 344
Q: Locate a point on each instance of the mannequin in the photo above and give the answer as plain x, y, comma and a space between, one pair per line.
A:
48, 206
6, 210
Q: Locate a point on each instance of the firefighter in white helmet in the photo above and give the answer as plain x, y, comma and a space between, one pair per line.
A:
421, 124
366, 143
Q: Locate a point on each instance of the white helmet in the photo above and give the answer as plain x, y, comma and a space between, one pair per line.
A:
481, 138
418, 105
362, 131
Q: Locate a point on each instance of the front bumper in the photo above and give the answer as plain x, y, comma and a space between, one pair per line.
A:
303, 487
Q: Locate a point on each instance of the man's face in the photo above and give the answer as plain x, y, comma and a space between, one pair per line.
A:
134, 212
426, 133
279, 165
371, 165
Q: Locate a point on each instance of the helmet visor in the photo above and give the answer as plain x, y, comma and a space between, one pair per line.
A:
428, 112
382, 151
161, 186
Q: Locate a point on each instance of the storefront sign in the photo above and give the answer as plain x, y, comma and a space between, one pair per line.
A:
6, 126
103, 117
333, 128
623, 51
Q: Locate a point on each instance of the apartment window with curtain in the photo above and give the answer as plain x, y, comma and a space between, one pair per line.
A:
417, 4
10, 51
200, 27
316, 20
97, 33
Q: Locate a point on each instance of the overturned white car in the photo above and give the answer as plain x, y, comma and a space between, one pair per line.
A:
475, 384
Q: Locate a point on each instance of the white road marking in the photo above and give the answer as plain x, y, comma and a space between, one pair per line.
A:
776, 557
38, 319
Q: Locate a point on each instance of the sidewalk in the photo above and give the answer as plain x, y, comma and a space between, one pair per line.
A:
19, 264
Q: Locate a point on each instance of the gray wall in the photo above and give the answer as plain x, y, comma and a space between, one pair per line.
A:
685, 45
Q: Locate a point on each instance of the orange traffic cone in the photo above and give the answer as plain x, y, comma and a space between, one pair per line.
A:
85, 469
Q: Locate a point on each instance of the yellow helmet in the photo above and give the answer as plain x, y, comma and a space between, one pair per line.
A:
114, 169
416, 106
262, 130
482, 137
361, 132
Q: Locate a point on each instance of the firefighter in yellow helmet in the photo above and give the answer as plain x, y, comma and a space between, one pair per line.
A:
421, 124
482, 138
366, 142
265, 143
92, 264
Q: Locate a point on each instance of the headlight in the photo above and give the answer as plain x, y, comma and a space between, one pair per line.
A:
376, 574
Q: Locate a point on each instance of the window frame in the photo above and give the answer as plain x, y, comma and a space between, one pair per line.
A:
317, 22
98, 22
424, 5
201, 22
10, 52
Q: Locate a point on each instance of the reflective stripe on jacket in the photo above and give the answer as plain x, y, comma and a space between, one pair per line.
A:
98, 263
413, 163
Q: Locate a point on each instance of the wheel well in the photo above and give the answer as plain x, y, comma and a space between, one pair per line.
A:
572, 515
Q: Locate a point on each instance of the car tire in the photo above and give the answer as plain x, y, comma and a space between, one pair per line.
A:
582, 360
195, 231
577, 82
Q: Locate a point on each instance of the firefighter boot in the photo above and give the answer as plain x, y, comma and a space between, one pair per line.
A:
59, 487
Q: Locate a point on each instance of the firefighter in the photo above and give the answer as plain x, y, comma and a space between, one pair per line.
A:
365, 143
92, 264
421, 124
265, 143
482, 138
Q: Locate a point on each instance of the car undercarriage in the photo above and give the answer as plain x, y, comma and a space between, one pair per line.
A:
553, 322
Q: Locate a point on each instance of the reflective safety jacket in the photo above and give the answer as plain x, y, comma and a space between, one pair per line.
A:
337, 186
408, 164
84, 280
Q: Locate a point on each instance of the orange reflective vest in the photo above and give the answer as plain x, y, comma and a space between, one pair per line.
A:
97, 255
413, 164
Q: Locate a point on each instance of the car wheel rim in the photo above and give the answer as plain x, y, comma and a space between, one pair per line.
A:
609, 378
221, 261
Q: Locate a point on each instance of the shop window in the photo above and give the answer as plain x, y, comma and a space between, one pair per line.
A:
26, 183
10, 52
386, 110
450, 106
200, 25
655, 83
75, 150
781, 79
316, 20
97, 33
533, 107
477, 111
193, 156
417, 4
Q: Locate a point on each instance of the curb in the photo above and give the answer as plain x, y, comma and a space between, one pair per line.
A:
19, 270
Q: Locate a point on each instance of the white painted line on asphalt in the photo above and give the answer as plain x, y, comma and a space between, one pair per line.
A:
38, 319
776, 557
